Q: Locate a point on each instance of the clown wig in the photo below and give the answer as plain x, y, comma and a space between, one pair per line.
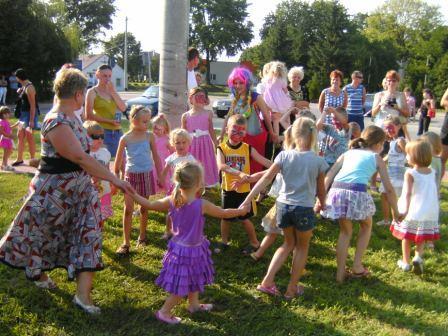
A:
241, 74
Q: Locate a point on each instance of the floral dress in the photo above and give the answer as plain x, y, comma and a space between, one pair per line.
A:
59, 225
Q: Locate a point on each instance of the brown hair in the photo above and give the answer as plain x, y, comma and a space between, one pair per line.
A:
337, 73
4, 110
435, 142
419, 152
392, 74
104, 67
68, 82
192, 53
237, 119
186, 175
392, 120
372, 135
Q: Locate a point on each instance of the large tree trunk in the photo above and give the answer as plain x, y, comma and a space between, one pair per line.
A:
173, 61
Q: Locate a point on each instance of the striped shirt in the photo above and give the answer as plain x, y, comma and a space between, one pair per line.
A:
354, 95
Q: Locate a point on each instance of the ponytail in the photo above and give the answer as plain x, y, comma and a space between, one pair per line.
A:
288, 143
176, 196
357, 143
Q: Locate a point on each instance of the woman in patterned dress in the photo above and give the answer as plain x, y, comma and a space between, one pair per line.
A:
59, 224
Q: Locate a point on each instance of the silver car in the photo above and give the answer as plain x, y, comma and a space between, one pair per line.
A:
222, 106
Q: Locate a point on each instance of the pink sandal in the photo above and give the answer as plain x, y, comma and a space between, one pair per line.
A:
271, 290
169, 320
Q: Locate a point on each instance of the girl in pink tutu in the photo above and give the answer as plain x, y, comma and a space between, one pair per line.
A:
6, 137
276, 94
187, 265
161, 131
198, 122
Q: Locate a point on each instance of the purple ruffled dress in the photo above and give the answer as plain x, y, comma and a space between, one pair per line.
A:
187, 265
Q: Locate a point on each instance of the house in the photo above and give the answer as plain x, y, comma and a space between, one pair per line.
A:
89, 64
220, 71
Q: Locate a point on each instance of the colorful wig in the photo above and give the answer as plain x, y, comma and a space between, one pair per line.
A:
243, 75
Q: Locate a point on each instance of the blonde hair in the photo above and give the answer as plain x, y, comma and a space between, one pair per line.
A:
4, 110
186, 175
392, 120
179, 133
136, 112
302, 132
161, 120
237, 119
419, 152
434, 140
278, 70
372, 135
354, 126
342, 111
266, 68
92, 127
296, 70
68, 82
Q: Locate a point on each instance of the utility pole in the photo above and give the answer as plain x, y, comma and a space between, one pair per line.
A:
126, 55
426, 71
173, 60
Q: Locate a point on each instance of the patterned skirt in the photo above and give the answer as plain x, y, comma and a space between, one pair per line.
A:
143, 183
350, 201
58, 226
186, 269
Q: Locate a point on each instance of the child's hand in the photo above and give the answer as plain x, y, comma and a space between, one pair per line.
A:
318, 207
113, 190
244, 208
160, 184
125, 187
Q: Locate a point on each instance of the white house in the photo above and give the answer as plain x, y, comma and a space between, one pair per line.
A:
89, 64
220, 71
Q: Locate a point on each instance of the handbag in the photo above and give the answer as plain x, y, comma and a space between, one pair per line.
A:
431, 113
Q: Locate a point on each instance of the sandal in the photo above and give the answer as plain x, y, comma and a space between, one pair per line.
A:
17, 163
203, 307
220, 247
271, 290
169, 320
141, 243
89, 309
249, 249
123, 250
253, 255
300, 290
364, 274
46, 284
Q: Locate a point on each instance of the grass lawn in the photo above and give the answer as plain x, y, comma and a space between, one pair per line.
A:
389, 303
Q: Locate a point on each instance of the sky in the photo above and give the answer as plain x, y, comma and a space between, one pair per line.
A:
145, 18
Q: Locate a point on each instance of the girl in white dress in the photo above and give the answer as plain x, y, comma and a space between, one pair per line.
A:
419, 205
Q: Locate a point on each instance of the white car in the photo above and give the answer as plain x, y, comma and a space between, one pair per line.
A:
222, 106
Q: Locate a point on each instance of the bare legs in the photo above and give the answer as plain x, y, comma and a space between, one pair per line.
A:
22, 135
248, 227
84, 281
406, 250
127, 221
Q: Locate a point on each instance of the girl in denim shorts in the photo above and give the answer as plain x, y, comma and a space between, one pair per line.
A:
302, 175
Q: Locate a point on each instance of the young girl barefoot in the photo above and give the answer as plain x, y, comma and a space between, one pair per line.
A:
198, 122
419, 204
302, 177
187, 265
140, 150
6, 137
161, 130
276, 94
348, 200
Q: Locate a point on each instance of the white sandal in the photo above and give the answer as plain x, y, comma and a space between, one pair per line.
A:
90, 309
46, 284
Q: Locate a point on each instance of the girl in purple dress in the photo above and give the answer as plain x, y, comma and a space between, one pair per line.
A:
187, 265
198, 122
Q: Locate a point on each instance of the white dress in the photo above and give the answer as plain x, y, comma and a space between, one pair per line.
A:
422, 220
396, 161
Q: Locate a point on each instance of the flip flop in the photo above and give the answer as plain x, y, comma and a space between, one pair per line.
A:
169, 320
46, 284
249, 249
364, 274
203, 307
271, 290
300, 290
254, 256
220, 247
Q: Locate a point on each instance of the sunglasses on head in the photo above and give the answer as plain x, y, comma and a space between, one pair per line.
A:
97, 136
359, 77
391, 80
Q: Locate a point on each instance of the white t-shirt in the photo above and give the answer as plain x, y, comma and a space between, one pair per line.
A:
173, 160
191, 80
103, 156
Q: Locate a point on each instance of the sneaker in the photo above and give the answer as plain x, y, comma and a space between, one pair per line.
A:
383, 222
417, 264
403, 266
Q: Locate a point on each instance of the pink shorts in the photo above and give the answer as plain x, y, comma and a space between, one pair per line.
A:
143, 183
106, 206
6, 143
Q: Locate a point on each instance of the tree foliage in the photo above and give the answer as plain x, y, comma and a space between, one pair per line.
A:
31, 40
114, 48
82, 20
219, 26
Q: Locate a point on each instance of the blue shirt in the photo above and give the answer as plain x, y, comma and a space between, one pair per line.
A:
358, 167
354, 98
138, 157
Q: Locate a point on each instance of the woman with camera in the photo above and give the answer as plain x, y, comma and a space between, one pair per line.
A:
427, 111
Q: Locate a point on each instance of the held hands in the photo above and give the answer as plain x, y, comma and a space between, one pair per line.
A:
318, 207
125, 187
244, 208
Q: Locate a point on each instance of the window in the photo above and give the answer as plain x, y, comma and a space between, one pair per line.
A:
213, 76
118, 82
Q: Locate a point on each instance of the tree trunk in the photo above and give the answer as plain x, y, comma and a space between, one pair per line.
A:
173, 61
207, 58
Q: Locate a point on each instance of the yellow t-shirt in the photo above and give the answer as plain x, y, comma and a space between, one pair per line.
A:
237, 157
105, 108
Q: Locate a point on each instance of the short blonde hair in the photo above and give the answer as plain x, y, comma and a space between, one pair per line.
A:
419, 152
161, 120
296, 70
179, 133
68, 82
92, 127
237, 119
435, 142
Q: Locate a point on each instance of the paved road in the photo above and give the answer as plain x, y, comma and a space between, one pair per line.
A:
435, 125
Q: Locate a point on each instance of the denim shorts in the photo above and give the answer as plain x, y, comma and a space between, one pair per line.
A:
300, 218
111, 140
25, 118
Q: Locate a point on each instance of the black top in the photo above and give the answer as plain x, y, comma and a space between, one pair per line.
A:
298, 95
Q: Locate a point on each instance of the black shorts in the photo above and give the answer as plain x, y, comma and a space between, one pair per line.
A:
444, 130
232, 200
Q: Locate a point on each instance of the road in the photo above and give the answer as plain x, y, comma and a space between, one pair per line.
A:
435, 125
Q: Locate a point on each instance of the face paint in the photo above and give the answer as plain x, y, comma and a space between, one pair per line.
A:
337, 124
237, 133
200, 98
390, 130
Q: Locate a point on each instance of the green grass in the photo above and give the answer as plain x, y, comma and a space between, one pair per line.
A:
389, 303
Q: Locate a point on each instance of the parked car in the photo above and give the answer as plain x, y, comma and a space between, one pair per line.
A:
368, 104
222, 106
149, 98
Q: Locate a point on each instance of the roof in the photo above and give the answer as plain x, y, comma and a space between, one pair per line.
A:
87, 60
